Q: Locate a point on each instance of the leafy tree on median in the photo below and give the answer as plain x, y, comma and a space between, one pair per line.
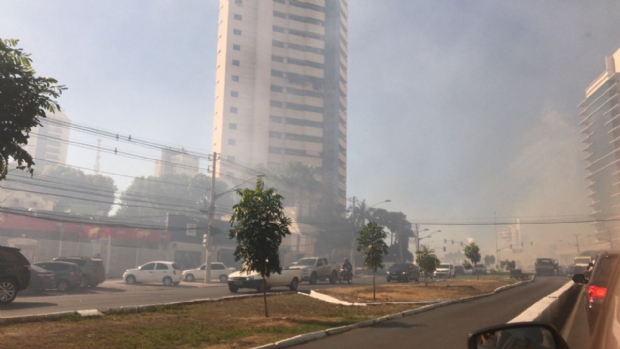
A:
427, 261
24, 100
472, 252
259, 225
371, 242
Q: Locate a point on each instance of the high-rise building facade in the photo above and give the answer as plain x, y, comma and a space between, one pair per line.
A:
48, 143
601, 122
176, 161
281, 86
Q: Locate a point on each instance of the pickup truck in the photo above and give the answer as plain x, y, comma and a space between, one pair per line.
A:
546, 266
252, 279
316, 268
582, 264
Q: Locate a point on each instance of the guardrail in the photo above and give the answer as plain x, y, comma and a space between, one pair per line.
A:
548, 308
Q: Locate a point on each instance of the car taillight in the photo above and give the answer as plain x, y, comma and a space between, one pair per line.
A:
596, 294
43, 276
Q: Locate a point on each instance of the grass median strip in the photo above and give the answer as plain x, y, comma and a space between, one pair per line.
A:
226, 324
448, 289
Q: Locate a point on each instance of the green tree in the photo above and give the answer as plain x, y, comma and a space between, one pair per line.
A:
467, 265
472, 252
259, 225
147, 200
371, 242
24, 100
489, 260
427, 261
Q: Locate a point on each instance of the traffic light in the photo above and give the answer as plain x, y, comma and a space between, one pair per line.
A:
444, 248
452, 242
204, 240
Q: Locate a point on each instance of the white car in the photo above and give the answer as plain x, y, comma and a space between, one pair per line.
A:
218, 271
251, 279
445, 270
165, 272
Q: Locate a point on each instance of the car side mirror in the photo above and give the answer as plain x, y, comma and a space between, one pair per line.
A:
579, 279
518, 335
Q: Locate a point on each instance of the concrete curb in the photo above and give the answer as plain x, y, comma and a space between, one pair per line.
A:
547, 308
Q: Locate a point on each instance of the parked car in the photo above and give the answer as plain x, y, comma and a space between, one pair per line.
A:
92, 269
218, 271
165, 272
251, 279
403, 272
596, 287
459, 270
66, 274
317, 268
41, 279
14, 274
480, 269
445, 270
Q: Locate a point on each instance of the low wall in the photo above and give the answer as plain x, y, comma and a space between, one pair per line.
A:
549, 307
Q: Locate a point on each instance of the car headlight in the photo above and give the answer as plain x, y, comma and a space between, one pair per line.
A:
404, 272
305, 270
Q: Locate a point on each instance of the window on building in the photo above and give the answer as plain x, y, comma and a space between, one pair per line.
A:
237, 17
303, 138
305, 63
236, 62
304, 107
232, 141
236, 47
232, 126
304, 48
234, 94
279, 14
234, 110
306, 34
277, 73
280, 1
306, 5
275, 88
234, 78
279, 29
276, 104
277, 119
300, 92
274, 134
275, 150
231, 158
305, 19
236, 31
277, 58
277, 43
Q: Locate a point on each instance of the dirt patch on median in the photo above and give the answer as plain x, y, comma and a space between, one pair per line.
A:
229, 324
448, 289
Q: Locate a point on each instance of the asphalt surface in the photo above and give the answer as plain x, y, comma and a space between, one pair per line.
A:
446, 327
116, 293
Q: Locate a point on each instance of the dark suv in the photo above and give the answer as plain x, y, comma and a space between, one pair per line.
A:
93, 272
596, 287
67, 275
403, 272
14, 273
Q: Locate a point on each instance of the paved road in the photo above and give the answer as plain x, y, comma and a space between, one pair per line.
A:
445, 327
115, 293
578, 335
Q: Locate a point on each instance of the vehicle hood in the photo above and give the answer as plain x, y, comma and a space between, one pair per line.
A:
132, 270
299, 267
442, 270
244, 274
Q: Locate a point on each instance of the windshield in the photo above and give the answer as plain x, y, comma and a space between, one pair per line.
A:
468, 145
306, 262
582, 260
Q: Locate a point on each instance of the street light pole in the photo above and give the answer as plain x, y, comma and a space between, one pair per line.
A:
577, 241
210, 222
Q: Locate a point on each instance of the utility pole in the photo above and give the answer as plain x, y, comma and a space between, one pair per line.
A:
496, 245
210, 221
577, 241
354, 233
417, 237
400, 243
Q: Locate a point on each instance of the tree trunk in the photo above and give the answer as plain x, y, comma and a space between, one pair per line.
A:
374, 295
477, 273
265, 296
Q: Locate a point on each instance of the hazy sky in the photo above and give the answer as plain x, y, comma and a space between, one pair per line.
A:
457, 110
